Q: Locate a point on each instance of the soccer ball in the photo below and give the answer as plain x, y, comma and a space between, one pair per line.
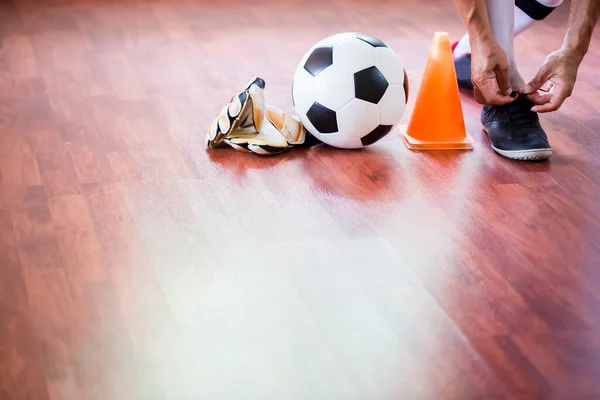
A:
349, 90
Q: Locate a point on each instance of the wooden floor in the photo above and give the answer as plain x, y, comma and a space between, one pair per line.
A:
134, 264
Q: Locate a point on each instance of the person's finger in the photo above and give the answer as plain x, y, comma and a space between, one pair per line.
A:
538, 98
503, 100
478, 96
489, 93
503, 81
497, 99
493, 99
556, 100
542, 76
548, 107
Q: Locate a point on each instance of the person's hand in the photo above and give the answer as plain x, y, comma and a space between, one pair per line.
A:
490, 74
554, 81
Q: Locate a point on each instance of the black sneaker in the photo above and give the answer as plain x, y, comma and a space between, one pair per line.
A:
515, 131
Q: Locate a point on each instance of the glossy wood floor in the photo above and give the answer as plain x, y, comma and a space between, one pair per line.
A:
137, 265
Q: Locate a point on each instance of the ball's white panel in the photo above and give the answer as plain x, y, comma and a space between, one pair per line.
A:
355, 120
342, 141
334, 87
353, 55
390, 65
303, 91
303, 96
392, 105
315, 134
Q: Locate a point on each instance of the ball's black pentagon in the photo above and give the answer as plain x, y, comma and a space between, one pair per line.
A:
375, 134
319, 59
370, 85
322, 118
372, 40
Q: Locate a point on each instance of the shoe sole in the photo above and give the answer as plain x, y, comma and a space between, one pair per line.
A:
523, 155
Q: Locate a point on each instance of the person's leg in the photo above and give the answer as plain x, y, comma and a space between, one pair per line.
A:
514, 130
502, 23
525, 13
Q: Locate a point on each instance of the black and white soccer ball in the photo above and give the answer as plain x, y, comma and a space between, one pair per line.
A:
349, 90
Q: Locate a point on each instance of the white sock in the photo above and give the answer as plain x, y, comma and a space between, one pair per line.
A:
522, 21
502, 24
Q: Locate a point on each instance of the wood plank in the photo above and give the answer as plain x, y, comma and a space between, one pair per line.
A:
135, 264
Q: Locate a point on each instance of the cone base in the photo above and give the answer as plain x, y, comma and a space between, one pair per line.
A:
415, 144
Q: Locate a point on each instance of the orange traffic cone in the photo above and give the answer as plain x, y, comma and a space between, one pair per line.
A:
437, 121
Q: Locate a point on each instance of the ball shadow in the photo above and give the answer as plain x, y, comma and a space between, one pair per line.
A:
364, 174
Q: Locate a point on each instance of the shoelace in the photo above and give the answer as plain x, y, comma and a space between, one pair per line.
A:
519, 113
